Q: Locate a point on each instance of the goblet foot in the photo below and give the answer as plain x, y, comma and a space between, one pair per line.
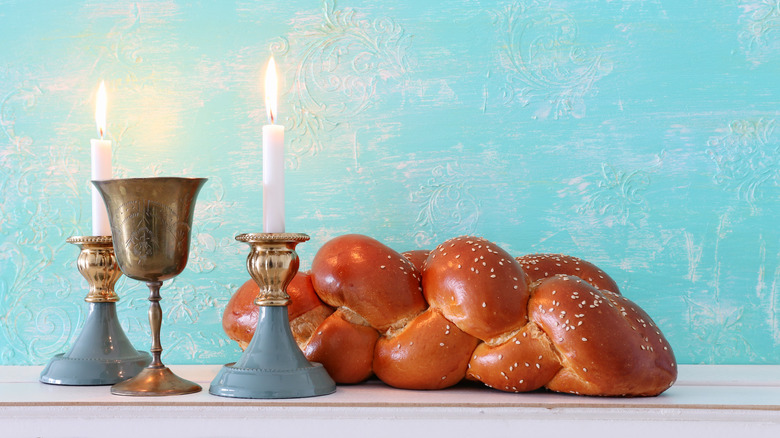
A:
155, 382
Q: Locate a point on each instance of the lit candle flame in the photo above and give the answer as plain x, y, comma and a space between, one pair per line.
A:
100, 110
270, 91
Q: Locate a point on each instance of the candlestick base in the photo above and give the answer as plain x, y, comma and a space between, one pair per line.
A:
102, 354
272, 366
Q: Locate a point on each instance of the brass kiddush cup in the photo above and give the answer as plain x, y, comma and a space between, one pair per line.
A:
151, 219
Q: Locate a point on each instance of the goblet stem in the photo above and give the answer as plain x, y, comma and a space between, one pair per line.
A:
156, 378
155, 322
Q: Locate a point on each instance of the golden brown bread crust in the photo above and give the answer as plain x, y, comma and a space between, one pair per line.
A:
305, 325
607, 345
428, 353
417, 257
539, 266
364, 275
344, 348
240, 317
524, 362
476, 285
492, 318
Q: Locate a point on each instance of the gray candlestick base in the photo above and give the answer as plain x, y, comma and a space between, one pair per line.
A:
101, 355
272, 366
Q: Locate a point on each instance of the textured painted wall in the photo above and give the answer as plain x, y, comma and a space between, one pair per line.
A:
638, 134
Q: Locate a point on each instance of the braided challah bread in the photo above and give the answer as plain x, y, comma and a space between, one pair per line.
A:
467, 309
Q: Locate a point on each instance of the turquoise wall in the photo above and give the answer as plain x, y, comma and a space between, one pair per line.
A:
637, 134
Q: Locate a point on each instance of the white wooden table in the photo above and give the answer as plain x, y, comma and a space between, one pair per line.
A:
707, 400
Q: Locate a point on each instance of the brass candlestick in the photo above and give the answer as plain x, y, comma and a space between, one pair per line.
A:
102, 354
272, 366
151, 219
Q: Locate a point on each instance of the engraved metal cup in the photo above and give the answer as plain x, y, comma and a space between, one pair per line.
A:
151, 219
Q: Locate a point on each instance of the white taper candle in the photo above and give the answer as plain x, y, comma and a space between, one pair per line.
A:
101, 166
273, 159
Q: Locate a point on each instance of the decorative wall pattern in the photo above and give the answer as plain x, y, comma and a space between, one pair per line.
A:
637, 134
545, 63
446, 207
748, 158
338, 67
761, 34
